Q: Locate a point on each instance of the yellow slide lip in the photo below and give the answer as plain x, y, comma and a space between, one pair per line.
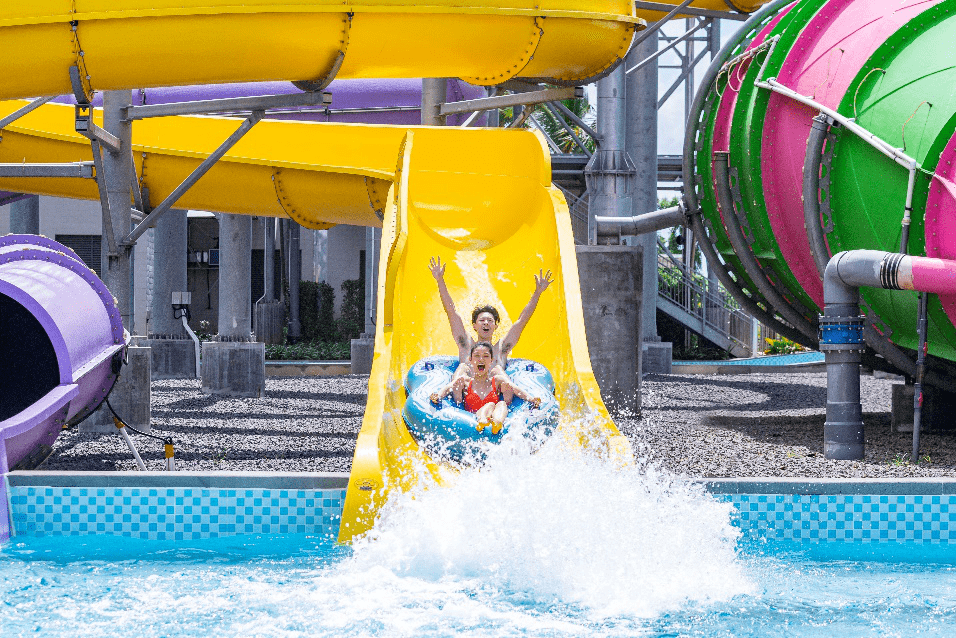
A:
208, 41
398, 9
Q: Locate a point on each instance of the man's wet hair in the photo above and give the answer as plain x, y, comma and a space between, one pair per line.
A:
482, 344
489, 309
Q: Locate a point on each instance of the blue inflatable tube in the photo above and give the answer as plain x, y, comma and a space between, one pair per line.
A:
448, 431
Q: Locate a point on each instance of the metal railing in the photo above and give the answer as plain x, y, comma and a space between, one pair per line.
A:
709, 304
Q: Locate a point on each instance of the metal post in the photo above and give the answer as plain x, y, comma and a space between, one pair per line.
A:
494, 114
434, 93
116, 271
295, 276
641, 145
25, 216
235, 263
268, 259
610, 172
372, 237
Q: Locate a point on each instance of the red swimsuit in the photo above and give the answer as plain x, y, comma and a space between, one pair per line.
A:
473, 402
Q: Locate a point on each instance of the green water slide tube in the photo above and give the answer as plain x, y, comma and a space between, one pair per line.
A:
882, 73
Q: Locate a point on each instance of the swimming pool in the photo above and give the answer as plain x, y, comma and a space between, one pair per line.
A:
508, 550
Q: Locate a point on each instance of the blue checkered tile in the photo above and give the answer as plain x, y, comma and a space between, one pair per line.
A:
174, 513
845, 517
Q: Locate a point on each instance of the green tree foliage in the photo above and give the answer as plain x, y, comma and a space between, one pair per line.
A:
316, 304
554, 129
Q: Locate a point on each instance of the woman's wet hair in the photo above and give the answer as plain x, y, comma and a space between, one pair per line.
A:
489, 309
482, 344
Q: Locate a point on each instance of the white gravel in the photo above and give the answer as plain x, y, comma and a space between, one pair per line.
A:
699, 426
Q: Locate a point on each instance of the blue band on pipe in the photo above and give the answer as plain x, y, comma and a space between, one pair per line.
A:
841, 333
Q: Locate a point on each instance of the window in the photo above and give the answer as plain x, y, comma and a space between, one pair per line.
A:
87, 247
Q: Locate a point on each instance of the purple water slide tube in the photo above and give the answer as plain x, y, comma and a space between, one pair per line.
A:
61, 344
363, 101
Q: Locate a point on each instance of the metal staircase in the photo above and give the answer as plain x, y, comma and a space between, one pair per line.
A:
705, 308
686, 297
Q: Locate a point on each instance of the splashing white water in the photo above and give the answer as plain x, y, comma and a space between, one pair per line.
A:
562, 528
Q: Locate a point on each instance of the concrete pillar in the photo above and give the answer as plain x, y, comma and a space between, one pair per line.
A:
234, 365
235, 264
641, 145
174, 353
434, 93
295, 276
363, 348
610, 172
25, 216
610, 295
320, 255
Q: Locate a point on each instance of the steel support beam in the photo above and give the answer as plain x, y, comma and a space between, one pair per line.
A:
691, 11
230, 105
513, 99
667, 48
69, 169
23, 110
434, 93
577, 120
113, 182
194, 177
85, 126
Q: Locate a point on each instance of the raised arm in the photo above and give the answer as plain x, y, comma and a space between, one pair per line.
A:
541, 282
454, 319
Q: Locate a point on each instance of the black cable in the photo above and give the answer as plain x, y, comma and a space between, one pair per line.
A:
166, 440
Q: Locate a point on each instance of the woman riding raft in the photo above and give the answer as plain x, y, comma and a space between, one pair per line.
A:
485, 394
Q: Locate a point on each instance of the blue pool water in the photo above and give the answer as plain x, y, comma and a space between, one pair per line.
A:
305, 586
555, 543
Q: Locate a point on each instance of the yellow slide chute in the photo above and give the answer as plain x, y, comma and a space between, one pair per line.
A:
480, 199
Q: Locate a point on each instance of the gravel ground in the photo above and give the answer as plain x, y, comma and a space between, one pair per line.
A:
699, 426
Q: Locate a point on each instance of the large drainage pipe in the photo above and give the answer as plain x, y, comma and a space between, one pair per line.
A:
61, 348
841, 330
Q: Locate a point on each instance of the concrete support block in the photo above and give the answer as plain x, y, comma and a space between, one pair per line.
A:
611, 284
234, 368
657, 358
363, 350
938, 408
130, 396
172, 358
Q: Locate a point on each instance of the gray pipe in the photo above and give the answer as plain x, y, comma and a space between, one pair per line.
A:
841, 338
610, 229
749, 261
821, 254
811, 189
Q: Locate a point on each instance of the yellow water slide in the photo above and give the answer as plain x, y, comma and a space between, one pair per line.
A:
480, 199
